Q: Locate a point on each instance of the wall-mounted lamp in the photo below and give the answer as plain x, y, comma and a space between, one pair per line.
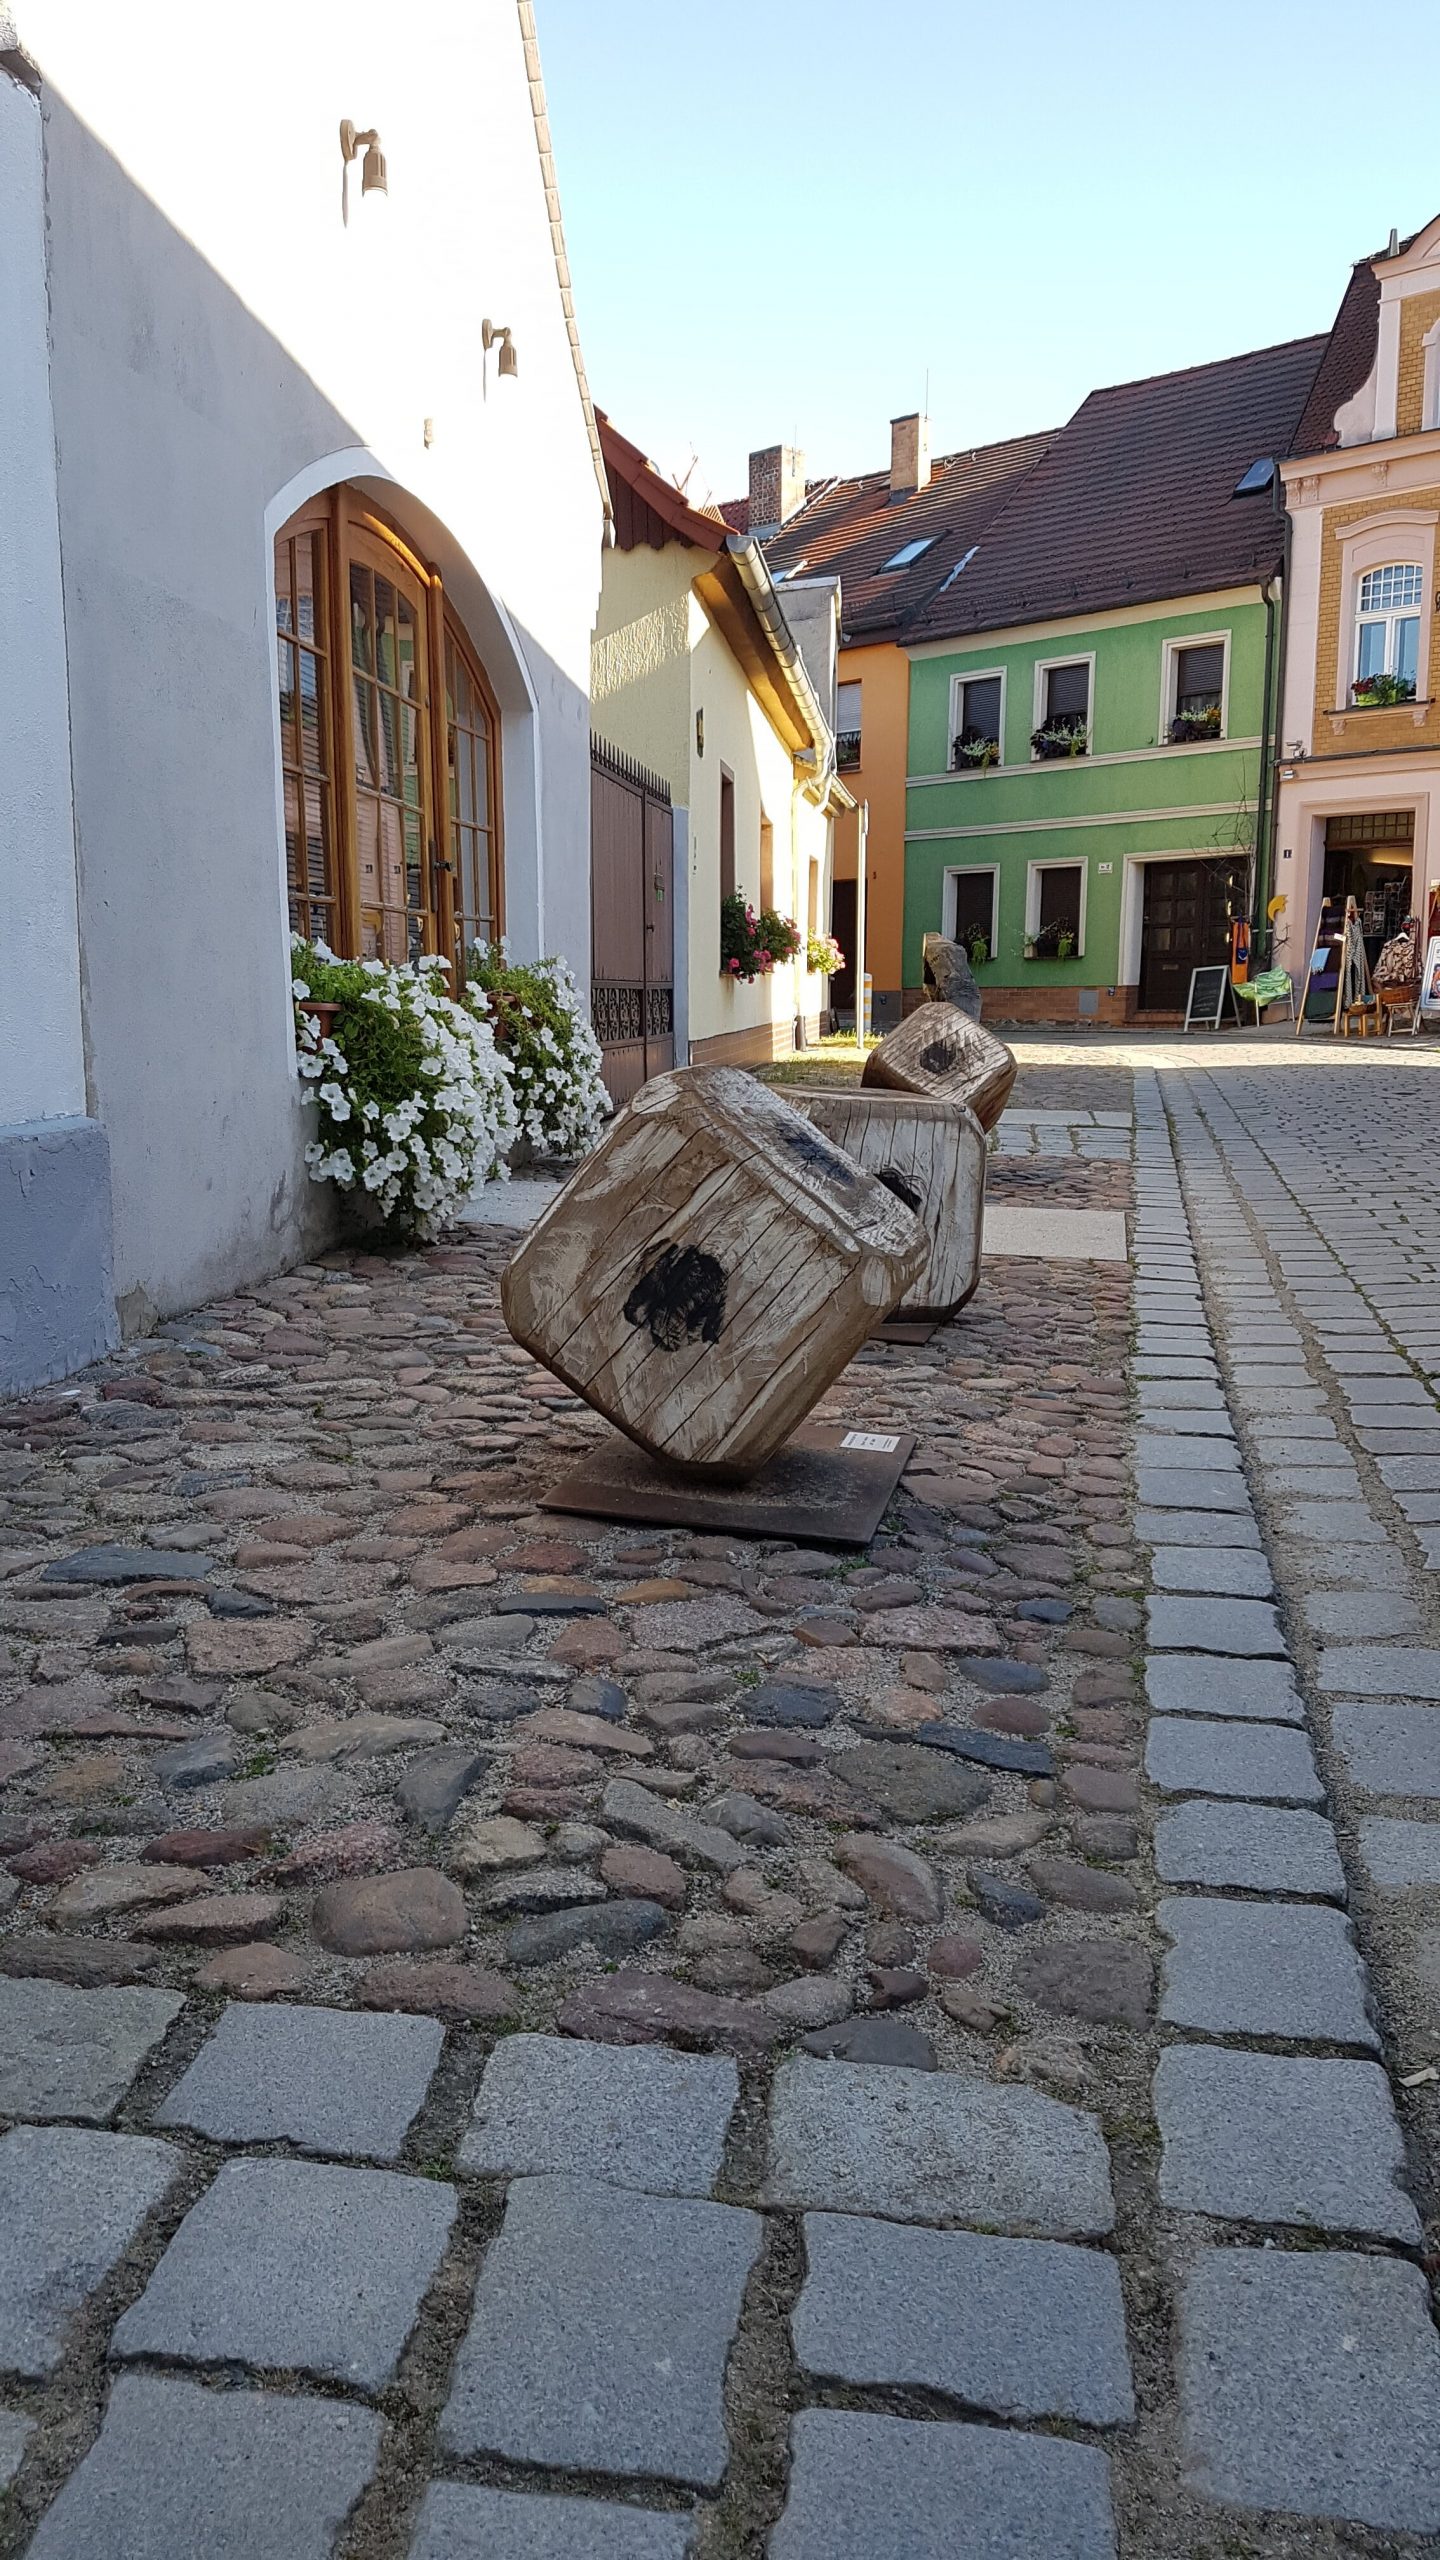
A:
373, 178
491, 335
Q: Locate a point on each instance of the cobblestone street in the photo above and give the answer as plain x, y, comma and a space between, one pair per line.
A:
532, 2039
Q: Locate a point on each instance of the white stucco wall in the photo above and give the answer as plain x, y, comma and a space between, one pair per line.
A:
220, 345
42, 1063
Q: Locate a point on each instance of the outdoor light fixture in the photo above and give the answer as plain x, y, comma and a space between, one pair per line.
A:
491, 335
373, 180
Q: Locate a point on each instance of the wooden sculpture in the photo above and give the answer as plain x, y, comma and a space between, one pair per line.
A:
708, 1271
932, 1156
939, 1050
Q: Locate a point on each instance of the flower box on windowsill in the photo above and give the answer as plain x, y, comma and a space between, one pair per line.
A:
1194, 728
974, 755
1061, 744
1382, 693
1051, 946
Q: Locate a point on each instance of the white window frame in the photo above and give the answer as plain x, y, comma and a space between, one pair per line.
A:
1388, 616
1405, 537
949, 898
1170, 677
958, 682
1056, 862
1066, 658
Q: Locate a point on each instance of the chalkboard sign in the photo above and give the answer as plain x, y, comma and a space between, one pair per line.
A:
1208, 990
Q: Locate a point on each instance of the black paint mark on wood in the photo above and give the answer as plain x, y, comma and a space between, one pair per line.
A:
679, 1296
902, 1186
940, 1057
814, 1150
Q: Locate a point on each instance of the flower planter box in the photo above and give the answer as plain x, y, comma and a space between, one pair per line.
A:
322, 1015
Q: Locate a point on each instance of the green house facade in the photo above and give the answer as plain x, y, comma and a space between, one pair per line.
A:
1093, 684
1091, 866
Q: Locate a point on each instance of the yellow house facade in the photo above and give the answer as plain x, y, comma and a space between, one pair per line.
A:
697, 675
1358, 807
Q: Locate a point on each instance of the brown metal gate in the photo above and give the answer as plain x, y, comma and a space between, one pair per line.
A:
632, 932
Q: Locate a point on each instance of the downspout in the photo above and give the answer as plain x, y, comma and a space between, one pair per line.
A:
1267, 814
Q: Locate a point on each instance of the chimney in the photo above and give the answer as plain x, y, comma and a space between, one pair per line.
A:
777, 486
909, 455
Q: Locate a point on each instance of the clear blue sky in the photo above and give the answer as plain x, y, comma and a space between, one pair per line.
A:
783, 213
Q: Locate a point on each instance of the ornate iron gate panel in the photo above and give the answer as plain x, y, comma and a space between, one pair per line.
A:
632, 933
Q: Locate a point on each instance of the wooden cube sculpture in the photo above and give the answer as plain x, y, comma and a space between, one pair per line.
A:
932, 1156
709, 1270
937, 1049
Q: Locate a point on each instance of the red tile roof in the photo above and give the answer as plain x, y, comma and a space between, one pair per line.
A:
1349, 354
850, 528
1133, 501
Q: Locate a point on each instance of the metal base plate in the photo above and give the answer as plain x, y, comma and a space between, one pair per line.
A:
828, 1486
908, 1329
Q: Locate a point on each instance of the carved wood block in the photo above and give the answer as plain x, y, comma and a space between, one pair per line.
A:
937, 1049
932, 1156
709, 1270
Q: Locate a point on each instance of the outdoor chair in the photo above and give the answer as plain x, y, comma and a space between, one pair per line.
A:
1273, 986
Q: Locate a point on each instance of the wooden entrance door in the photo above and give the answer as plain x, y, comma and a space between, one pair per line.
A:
632, 930
1189, 908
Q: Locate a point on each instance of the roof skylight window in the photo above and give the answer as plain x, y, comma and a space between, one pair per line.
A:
909, 551
1258, 477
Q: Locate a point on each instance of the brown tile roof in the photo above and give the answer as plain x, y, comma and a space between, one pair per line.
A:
736, 512
850, 528
1133, 501
647, 507
1348, 356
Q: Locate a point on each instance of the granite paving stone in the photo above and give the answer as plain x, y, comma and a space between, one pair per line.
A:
1192, 1489
462, 2523
296, 2266
1311, 2383
978, 2491
631, 2115
603, 2322
1191, 1528
1354, 1614
71, 2203
1388, 1749
1264, 2138
1023, 2328
1230, 1572
1283, 1969
75, 2053
945, 2147
1190, 1755
1202, 1684
1381, 1670
1398, 1854
1335, 1524
1251, 1848
324, 2079
236, 2475
1214, 1625
1210, 1452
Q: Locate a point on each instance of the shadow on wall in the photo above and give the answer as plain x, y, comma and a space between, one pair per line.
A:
179, 419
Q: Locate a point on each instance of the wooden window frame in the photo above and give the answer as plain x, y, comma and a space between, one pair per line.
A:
448, 629
337, 514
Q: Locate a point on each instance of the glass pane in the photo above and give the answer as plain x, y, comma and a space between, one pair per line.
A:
389, 772
980, 706
312, 727
1370, 656
307, 572
367, 847
1060, 897
1199, 677
1067, 693
367, 769
1407, 646
317, 848
386, 666
362, 617
391, 854
1400, 582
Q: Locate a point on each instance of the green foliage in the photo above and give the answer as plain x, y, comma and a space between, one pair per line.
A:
543, 1033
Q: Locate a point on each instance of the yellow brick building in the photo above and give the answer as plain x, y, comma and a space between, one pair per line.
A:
1358, 805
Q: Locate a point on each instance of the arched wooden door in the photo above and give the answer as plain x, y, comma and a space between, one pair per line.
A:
390, 738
